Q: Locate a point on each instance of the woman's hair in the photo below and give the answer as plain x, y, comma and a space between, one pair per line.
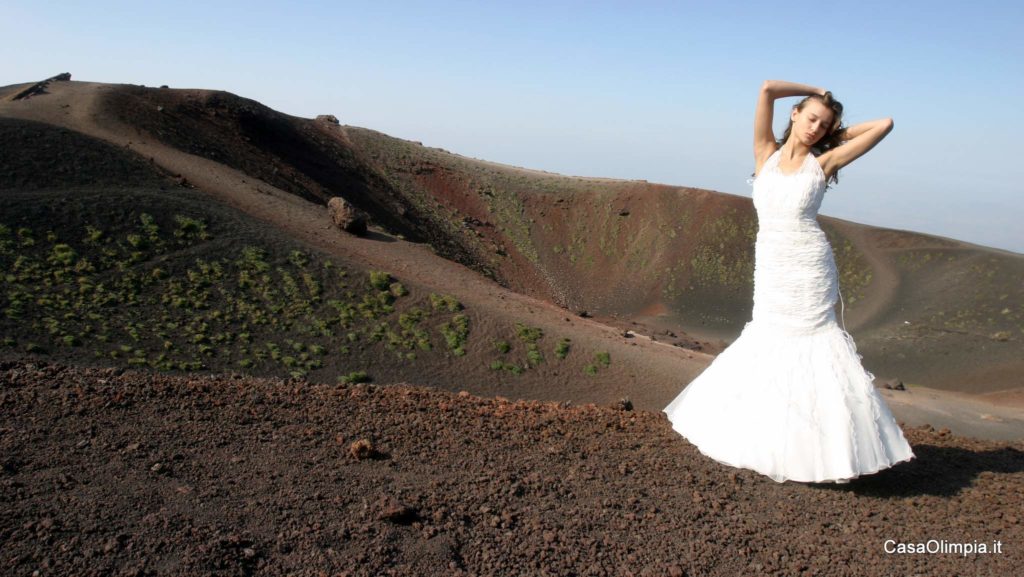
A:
834, 133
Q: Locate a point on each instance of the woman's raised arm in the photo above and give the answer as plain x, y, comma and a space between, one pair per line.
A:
857, 140
764, 138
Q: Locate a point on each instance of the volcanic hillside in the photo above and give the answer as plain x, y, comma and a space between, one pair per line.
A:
673, 263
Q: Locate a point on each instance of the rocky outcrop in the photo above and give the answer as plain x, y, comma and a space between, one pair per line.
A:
40, 87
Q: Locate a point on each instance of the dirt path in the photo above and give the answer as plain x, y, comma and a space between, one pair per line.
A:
885, 281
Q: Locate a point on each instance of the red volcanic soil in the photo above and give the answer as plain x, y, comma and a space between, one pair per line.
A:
108, 472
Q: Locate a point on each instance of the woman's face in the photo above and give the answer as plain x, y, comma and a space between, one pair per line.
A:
811, 123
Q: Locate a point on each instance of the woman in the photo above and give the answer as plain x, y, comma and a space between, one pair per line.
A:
789, 398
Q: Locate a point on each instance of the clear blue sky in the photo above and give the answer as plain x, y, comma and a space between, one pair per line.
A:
662, 91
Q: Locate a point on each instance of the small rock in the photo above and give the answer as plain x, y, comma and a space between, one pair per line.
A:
346, 216
392, 510
892, 385
362, 449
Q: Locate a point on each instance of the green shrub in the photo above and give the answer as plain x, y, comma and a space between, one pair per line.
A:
528, 334
562, 348
502, 346
62, 254
137, 241
354, 377
455, 333
190, 228
409, 319
444, 302
380, 280
298, 259
603, 357
25, 237
93, 235
533, 355
253, 260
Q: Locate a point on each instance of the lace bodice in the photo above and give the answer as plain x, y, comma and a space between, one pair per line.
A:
788, 199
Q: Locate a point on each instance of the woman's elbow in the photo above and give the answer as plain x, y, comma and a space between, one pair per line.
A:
887, 124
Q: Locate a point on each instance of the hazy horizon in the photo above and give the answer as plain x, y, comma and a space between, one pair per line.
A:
656, 91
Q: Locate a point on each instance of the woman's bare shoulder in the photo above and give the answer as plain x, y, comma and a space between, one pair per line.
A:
762, 154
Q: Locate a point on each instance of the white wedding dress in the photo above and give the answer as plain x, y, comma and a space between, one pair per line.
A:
789, 397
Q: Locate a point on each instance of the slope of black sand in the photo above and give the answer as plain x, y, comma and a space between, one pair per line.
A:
107, 472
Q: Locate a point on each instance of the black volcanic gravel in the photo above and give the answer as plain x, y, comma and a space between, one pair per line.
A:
107, 472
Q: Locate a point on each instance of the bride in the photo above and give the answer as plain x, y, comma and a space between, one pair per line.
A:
789, 398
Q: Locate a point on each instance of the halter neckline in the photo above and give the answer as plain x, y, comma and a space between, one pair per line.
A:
778, 155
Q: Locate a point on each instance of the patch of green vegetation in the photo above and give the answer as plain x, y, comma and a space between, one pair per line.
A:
500, 365
578, 238
533, 355
724, 256
562, 348
380, 280
155, 292
672, 288
455, 333
855, 273
444, 302
509, 214
528, 334
611, 224
600, 359
354, 377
